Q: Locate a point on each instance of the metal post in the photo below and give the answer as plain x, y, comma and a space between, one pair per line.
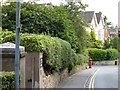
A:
17, 54
0, 50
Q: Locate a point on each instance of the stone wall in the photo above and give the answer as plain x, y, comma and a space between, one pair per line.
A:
105, 62
32, 69
53, 80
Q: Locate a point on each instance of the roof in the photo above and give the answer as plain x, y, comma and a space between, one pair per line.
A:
111, 31
98, 16
88, 15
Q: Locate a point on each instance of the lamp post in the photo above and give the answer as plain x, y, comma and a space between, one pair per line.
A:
17, 54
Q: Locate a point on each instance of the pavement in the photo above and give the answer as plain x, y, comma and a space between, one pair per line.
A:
78, 80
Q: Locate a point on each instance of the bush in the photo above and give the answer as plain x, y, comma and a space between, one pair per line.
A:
100, 54
119, 44
4, 34
66, 54
97, 54
7, 80
78, 59
112, 54
82, 59
57, 53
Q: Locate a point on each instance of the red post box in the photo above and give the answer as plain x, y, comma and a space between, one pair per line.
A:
90, 63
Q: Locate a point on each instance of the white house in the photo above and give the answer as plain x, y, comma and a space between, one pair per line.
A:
96, 23
100, 26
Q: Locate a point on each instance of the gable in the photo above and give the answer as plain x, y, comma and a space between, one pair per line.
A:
88, 16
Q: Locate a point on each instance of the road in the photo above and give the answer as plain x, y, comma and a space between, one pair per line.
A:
77, 80
106, 77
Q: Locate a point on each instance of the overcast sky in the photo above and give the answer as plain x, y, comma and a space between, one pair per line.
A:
109, 8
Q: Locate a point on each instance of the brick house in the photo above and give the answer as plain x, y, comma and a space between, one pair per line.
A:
106, 35
113, 32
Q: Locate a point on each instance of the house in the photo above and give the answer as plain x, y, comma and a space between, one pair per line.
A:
106, 35
100, 26
96, 22
113, 32
89, 17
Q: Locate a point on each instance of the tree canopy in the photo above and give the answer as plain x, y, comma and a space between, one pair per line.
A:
62, 21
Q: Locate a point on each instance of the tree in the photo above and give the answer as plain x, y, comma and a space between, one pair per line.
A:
62, 21
109, 24
94, 42
111, 43
114, 42
74, 10
36, 18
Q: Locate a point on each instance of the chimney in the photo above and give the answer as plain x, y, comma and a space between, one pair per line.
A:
116, 29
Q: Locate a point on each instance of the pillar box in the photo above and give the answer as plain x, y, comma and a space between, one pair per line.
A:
7, 52
90, 63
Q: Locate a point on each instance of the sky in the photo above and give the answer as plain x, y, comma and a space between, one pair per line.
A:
108, 8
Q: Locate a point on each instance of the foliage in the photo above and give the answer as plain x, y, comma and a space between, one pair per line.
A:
100, 54
74, 11
7, 80
114, 42
107, 43
92, 36
111, 43
112, 54
71, 68
119, 44
57, 21
94, 42
108, 24
4, 34
58, 53
97, 54
78, 59
83, 59
36, 18
62, 21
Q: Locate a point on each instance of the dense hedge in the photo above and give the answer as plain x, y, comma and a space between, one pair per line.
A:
100, 54
58, 53
78, 59
7, 80
112, 54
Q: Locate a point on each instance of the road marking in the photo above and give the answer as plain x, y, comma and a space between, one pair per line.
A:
90, 81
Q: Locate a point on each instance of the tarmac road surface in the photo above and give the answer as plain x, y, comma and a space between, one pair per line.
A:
106, 77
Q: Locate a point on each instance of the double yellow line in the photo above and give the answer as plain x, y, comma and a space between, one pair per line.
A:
90, 81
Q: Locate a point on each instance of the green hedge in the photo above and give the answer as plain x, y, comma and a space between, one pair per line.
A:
57, 53
100, 54
112, 54
7, 80
78, 59
83, 59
